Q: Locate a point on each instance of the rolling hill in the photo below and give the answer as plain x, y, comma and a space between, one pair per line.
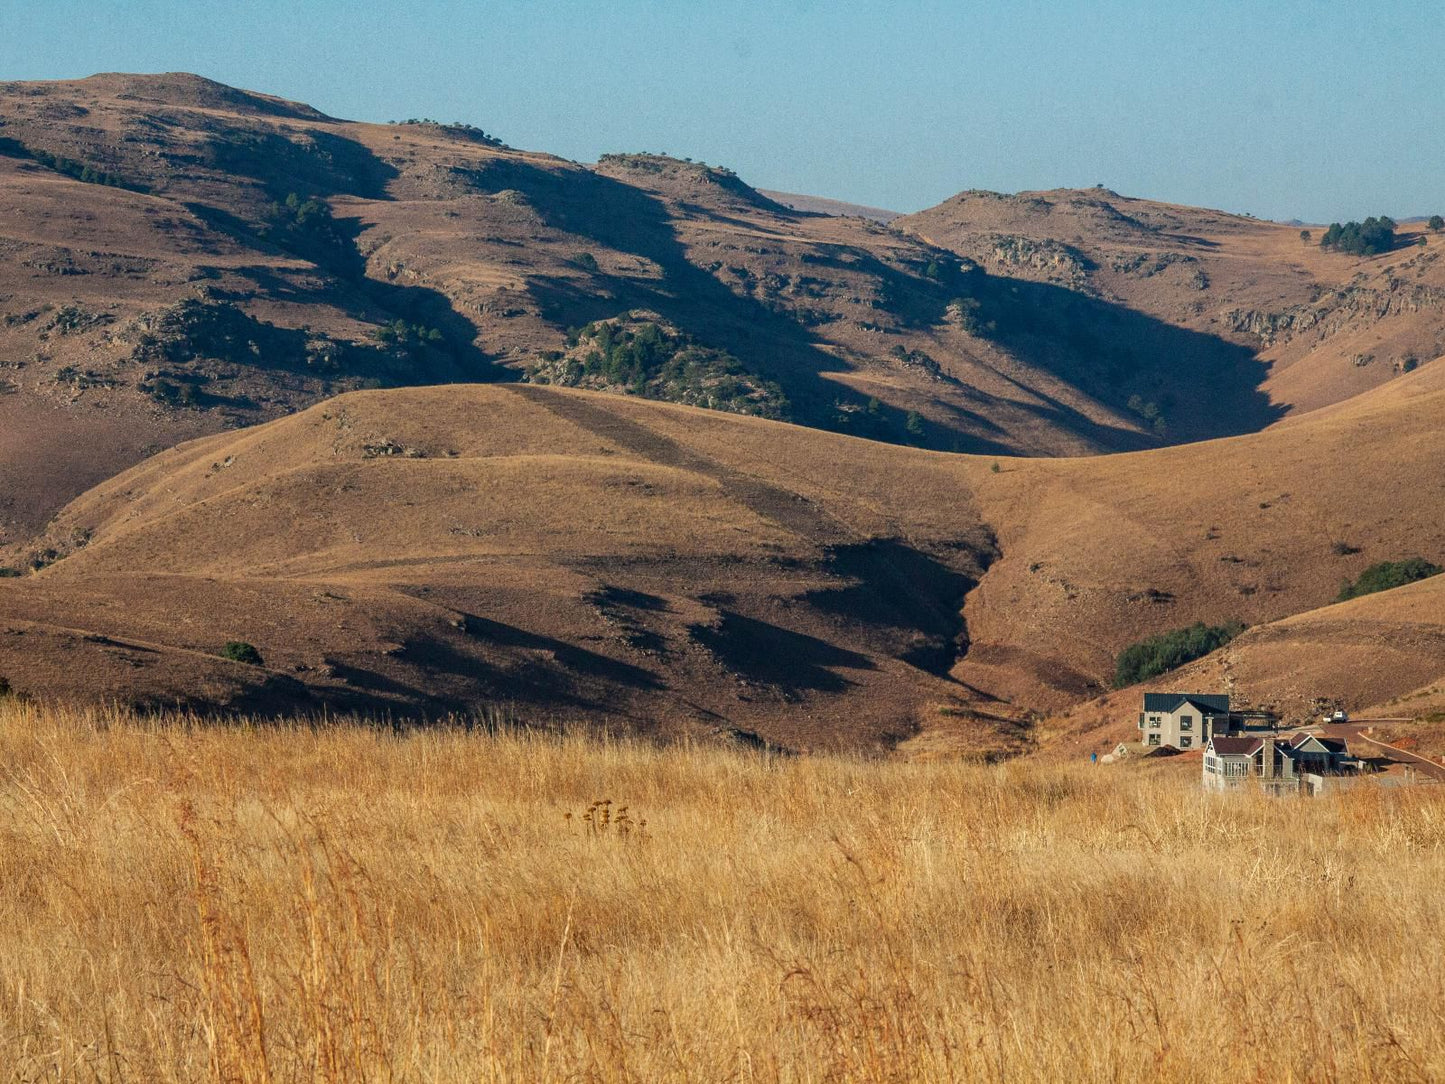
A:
1325, 324
417, 415
183, 257
667, 568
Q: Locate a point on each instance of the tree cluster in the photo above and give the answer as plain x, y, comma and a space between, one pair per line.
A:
1387, 575
1160, 654
1367, 238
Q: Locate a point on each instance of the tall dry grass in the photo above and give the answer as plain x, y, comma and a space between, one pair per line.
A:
182, 903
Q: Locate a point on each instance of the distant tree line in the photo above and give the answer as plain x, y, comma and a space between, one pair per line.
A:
1367, 238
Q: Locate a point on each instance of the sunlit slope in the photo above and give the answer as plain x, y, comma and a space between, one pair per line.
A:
1328, 325
426, 550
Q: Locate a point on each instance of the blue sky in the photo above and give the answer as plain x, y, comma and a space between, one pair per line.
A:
1283, 108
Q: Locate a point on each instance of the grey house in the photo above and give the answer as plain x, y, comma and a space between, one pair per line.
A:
1183, 720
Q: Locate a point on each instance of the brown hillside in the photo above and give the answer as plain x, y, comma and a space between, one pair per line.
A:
660, 566
1380, 656
184, 257
1328, 325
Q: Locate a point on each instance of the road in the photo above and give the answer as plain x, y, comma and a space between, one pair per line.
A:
1353, 734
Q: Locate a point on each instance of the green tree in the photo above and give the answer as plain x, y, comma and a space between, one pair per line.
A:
914, 423
1436, 223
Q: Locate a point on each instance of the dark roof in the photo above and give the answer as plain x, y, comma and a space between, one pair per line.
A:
1235, 746
1205, 702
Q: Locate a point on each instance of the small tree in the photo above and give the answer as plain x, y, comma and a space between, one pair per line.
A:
914, 423
1306, 236
1436, 223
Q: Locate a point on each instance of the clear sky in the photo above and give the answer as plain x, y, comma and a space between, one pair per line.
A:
1314, 109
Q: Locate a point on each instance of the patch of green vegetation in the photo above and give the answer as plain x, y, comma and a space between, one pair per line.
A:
80, 171
306, 226
1387, 575
1367, 238
645, 359
1150, 411
242, 652
1436, 223
7, 573
1167, 651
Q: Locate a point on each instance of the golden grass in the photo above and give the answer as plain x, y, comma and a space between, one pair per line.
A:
181, 902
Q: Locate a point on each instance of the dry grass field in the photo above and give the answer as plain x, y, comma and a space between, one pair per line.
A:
181, 902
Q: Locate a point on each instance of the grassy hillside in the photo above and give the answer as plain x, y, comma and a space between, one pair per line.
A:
665, 568
1327, 325
189, 902
185, 257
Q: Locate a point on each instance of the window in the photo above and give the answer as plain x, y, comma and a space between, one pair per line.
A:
1186, 722
1185, 742
1153, 722
1153, 739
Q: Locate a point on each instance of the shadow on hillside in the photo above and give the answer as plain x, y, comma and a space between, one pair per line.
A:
768, 655
1201, 385
327, 165
625, 218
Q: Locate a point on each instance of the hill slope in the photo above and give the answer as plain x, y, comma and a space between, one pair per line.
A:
183, 257
1328, 325
659, 566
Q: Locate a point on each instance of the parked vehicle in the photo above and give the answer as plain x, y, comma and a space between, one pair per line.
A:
1337, 716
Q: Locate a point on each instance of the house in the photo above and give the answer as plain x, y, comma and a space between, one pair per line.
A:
1183, 720
1276, 765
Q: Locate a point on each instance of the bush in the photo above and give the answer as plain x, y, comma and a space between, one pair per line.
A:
239, 651
1436, 223
1169, 650
1387, 575
5, 689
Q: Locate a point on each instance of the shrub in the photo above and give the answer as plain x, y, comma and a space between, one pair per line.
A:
5, 689
1436, 223
242, 652
1387, 575
1167, 651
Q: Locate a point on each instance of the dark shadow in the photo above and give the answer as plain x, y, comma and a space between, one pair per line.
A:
323, 164
779, 658
570, 656
1203, 385
913, 601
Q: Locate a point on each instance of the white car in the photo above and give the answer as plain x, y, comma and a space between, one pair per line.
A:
1336, 717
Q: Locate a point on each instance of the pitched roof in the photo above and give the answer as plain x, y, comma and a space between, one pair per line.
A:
1206, 702
1235, 746
1329, 745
